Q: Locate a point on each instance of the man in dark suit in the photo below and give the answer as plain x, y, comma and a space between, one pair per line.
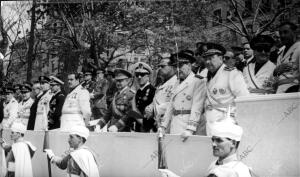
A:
56, 103
37, 93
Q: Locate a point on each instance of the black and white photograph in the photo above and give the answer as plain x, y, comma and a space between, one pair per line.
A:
150, 88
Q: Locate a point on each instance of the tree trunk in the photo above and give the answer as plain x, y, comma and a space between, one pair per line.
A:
30, 53
3, 46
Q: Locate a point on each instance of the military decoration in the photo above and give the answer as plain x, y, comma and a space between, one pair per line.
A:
189, 97
215, 91
222, 91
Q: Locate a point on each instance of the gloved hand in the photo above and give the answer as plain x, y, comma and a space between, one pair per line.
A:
113, 128
49, 153
167, 173
186, 134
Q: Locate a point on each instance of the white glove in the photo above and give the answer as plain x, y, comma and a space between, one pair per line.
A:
113, 128
167, 173
50, 153
186, 134
97, 129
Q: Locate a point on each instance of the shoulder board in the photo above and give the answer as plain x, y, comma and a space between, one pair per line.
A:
198, 76
229, 68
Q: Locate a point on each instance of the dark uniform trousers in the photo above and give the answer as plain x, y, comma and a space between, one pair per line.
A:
56, 104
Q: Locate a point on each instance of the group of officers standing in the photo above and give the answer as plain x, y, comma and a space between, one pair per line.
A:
185, 101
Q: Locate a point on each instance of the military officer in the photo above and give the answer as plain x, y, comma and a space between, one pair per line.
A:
10, 107
116, 117
259, 71
41, 121
25, 105
226, 138
76, 109
183, 113
287, 70
112, 88
18, 95
88, 83
224, 84
144, 97
56, 103
99, 105
163, 92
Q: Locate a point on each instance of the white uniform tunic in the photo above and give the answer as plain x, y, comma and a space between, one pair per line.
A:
24, 111
239, 168
41, 120
291, 57
163, 96
222, 89
76, 108
258, 81
184, 111
10, 112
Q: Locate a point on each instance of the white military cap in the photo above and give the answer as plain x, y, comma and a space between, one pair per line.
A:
227, 130
142, 67
80, 131
223, 172
18, 127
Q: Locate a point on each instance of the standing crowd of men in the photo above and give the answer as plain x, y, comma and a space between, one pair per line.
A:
194, 93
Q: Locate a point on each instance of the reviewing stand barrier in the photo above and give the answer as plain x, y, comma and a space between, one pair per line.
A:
270, 144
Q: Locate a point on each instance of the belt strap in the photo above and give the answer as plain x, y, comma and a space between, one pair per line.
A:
177, 112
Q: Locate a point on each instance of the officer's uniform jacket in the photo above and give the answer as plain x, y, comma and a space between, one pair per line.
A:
24, 110
163, 96
76, 108
117, 112
41, 121
143, 98
261, 80
222, 89
186, 106
292, 57
10, 112
231, 162
56, 104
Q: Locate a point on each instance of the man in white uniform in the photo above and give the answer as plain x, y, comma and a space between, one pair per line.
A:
25, 105
10, 108
259, 71
76, 109
163, 93
224, 84
41, 120
186, 106
287, 70
80, 161
225, 141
